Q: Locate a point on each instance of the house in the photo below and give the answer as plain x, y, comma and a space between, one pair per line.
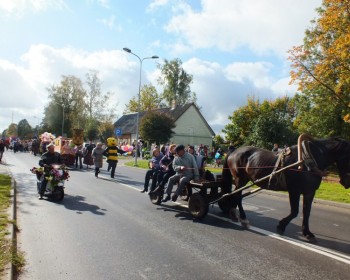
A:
191, 127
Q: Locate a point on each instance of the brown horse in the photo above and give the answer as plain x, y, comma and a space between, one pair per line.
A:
250, 163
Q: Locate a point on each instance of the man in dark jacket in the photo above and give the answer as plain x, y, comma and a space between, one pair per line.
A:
48, 158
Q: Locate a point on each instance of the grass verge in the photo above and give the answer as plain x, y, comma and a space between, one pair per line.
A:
329, 190
8, 250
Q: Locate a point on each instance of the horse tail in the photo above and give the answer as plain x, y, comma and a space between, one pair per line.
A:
226, 176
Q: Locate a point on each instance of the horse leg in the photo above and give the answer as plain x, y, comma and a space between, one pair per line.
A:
294, 209
242, 217
307, 203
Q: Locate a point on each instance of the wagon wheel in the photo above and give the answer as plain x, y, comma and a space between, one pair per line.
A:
198, 206
225, 204
156, 198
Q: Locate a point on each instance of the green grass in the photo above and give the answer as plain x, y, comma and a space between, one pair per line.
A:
8, 252
328, 190
5, 242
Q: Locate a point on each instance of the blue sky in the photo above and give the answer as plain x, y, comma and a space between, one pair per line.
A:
233, 49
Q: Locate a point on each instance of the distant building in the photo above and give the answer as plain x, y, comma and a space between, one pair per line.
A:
191, 127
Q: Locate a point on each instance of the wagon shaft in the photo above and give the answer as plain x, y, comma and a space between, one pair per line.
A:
256, 181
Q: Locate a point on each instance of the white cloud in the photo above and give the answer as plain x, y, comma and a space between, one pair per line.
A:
221, 90
261, 26
110, 23
26, 86
20, 7
256, 72
155, 4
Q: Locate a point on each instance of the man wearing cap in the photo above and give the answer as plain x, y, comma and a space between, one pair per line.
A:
186, 169
50, 157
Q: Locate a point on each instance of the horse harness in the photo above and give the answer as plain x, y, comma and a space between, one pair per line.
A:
280, 179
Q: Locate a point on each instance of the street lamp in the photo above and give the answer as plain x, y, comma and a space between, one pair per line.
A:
139, 97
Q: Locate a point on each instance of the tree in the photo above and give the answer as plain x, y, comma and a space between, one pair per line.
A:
176, 83
24, 129
66, 107
263, 124
149, 100
12, 130
106, 130
92, 130
321, 66
156, 127
239, 128
99, 105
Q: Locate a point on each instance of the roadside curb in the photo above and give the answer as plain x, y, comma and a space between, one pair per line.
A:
9, 272
316, 200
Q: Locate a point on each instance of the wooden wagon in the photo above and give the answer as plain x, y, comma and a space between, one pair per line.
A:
210, 192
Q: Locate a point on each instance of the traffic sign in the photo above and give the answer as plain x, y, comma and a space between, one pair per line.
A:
118, 132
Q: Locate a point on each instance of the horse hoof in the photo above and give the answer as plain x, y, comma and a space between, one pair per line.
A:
245, 223
280, 230
233, 215
310, 237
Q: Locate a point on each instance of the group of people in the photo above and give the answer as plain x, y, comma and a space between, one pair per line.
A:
96, 152
178, 165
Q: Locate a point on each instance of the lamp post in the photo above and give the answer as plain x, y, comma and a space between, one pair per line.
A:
139, 97
62, 118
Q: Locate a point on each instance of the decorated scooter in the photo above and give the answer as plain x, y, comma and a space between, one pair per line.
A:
55, 175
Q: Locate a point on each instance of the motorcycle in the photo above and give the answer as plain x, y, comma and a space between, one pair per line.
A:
55, 175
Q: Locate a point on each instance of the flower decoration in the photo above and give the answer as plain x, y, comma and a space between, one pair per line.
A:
53, 173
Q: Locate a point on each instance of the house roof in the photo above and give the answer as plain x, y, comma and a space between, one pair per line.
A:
127, 123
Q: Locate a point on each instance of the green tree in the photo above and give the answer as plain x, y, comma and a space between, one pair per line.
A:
262, 124
67, 107
239, 128
106, 131
176, 83
156, 128
92, 132
24, 129
321, 119
149, 100
321, 66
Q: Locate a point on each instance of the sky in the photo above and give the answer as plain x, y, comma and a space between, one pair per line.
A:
232, 48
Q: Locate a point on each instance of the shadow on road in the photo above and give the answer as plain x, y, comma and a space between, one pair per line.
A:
77, 203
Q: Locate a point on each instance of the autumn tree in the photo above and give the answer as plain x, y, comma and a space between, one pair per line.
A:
156, 127
12, 130
321, 66
149, 100
176, 83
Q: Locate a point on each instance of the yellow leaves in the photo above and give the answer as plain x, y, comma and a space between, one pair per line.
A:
346, 118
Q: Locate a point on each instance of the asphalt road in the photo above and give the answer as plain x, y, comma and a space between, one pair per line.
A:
107, 229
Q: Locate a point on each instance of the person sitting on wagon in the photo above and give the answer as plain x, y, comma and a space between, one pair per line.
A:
186, 169
166, 169
153, 171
